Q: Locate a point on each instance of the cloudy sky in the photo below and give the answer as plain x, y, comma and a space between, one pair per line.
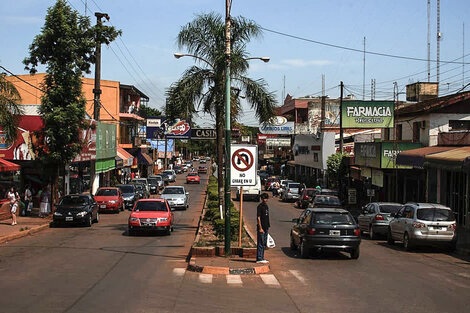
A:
144, 55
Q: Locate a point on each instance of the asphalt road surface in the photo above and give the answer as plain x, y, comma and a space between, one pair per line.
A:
102, 269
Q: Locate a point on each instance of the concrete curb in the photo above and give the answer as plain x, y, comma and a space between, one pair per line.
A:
25, 233
219, 270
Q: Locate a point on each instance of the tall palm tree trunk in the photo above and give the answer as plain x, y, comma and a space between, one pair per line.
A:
220, 154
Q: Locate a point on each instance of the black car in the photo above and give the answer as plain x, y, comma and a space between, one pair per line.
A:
129, 194
178, 169
166, 178
326, 201
154, 184
76, 209
325, 229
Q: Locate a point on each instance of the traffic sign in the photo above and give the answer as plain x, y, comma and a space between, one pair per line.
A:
243, 165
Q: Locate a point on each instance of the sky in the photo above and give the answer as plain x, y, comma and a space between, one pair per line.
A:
143, 56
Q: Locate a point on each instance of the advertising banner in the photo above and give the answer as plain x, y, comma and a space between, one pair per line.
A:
155, 127
285, 128
203, 133
367, 114
88, 137
26, 143
278, 142
390, 151
367, 154
261, 138
178, 130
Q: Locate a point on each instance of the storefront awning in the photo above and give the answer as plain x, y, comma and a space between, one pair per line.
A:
6, 166
125, 156
416, 157
144, 158
454, 159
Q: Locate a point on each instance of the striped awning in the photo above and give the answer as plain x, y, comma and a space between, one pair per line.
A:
6, 166
125, 156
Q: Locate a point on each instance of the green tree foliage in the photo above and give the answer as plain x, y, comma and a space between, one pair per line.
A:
10, 108
66, 45
146, 111
336, 168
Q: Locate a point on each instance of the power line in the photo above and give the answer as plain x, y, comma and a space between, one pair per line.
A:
355, 50
24, 81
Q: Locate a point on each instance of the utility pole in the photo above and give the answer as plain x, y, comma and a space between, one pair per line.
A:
97, 89
429, 40
341, 117
284, 90
322, 85
227, 198
438, 42
363, 73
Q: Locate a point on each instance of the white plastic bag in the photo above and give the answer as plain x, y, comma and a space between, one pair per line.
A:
270, 242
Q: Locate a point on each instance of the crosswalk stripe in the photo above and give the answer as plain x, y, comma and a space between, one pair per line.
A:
270, 280
234, 279
299, 276
179, 271
205, 278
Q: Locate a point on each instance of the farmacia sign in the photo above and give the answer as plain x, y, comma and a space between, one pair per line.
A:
367, 114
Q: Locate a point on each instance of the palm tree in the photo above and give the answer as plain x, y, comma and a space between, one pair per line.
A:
10, 108
202, 86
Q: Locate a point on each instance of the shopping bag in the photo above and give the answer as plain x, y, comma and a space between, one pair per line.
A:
270, 242
30, 206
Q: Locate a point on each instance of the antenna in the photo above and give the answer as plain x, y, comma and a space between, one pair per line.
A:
364, 72
429, 40
372, 89
438, 40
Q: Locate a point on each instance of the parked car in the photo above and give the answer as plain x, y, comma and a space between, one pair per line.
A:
269, 181
195, 159
202, 160
166, 178
176, 196
178, 169
325, 229
251, 192
155, 183
306, 197
375, 217
143, 181
171, 175
193, 178
109, 199
151, 215
418, 224
76, 209
327, 192
290, 191
202, 170
326, 201
283, 184
208, 158
129, 194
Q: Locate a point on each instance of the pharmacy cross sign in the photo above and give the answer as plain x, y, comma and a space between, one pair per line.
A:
242, 160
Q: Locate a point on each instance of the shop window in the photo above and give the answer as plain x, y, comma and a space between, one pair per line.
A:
459, 125
399, 132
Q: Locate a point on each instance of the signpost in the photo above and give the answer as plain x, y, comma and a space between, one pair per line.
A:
243, 169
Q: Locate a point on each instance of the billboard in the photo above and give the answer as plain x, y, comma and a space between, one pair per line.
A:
155, 127
390, 151
278, 125
178, 130
367, 114
203, 133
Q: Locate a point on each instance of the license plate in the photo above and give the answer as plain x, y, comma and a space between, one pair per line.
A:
68, 218
148, 224
335, 232
103, 206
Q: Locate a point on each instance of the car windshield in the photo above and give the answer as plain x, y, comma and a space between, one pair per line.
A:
150, 206
154, 180
192, 174
74, 200
127, 189
293, 185
107, 192
332, 218
177, 191
167, 172
140, 181
387, 208
139, 187
327, 200
433, 214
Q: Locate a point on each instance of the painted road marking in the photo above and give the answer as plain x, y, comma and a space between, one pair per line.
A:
270, 280
299, 276
205, 278
179, 271
234, 280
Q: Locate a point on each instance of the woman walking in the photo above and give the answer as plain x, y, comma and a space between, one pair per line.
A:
44, 207
14, 198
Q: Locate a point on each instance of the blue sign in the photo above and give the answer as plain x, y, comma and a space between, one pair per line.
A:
155, 127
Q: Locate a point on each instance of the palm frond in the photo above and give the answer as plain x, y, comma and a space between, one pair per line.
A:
10, 108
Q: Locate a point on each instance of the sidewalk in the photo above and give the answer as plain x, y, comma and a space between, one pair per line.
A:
222, 265
26, 225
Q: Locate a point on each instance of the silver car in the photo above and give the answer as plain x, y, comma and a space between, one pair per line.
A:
291, 192
423, 223
171, 175
375, 217
176, 196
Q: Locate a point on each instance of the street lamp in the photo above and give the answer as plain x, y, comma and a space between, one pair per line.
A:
264, 59
179, 55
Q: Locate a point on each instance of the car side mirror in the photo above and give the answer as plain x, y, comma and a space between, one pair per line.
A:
295, 220
187, 193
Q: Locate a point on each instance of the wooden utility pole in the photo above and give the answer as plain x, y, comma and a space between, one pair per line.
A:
97, 89
341, 118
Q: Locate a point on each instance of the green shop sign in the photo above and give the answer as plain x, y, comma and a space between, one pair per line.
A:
381, 154
367, 114
105, 147
390, 151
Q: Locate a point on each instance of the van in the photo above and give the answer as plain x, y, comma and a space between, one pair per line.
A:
251, 192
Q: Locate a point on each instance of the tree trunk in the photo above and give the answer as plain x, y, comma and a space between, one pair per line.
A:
220, 155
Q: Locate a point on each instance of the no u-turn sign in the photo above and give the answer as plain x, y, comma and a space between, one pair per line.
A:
243, 165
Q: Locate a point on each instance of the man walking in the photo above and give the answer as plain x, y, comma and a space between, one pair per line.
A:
262, 217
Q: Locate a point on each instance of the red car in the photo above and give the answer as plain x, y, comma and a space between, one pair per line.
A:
193, 177
109, 199
306, 197
202, 170
151, 215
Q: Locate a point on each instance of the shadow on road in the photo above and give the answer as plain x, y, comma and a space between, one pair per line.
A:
323, 255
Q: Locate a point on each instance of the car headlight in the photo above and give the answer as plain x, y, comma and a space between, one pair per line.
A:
163, 219
133, 219
112, 201
57, 213
82, 214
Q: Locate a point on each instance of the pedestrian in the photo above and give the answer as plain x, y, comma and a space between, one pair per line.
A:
262, 216
14, 199
44, 207
275, 187
28, 197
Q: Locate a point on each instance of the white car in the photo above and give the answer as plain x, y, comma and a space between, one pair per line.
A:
177, 197
251, 192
